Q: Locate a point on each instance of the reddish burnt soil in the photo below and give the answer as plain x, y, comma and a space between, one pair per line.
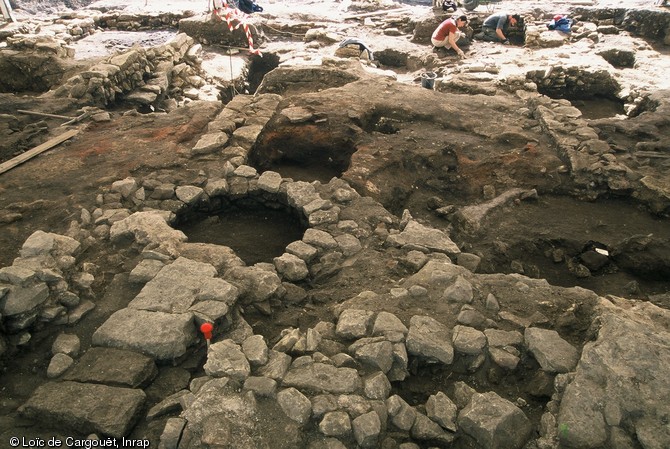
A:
48, 191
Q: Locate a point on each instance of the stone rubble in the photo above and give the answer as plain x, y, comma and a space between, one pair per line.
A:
343, 390
143, 77
333, 379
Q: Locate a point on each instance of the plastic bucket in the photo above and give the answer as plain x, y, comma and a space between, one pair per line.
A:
428, 80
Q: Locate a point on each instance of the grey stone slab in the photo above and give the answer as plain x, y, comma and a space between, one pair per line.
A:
23, 299
631, 352
430, 339
179, 285
163, 336
86, 408
416, 234
321, 378
494, 422
554, 354
116, 367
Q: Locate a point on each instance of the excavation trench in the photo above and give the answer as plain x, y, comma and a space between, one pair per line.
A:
302, 153
610, 246
594, 93
256, 231
552, 238
596, 245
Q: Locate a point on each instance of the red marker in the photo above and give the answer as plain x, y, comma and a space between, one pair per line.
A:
206, 329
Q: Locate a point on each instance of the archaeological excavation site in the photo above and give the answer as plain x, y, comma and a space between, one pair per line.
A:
298, 225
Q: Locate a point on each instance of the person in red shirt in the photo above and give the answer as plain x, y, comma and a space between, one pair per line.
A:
447, 34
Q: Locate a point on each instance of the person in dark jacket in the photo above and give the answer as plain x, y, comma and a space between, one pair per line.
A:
495, 27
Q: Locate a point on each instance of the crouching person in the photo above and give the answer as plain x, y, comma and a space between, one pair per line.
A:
447, 35
495, 27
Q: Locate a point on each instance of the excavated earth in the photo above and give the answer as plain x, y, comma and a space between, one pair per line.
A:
316, 190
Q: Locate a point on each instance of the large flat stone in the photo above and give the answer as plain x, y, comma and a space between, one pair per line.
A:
179, 285
621, 381
116, 367
86, 408
430, 339
321, 378
23, 299
163, 336
554, 354
147, 227
417, 234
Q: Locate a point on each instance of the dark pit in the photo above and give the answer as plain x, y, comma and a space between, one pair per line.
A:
256, 233
599, 107
594, 93
610, 246
302, 153
260, 66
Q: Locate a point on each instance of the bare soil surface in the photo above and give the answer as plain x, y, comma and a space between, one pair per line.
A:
50, 190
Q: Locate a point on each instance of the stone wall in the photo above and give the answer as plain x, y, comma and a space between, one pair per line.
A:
575, 82
136, 22
651, 24
46, 69
38, 58
150, 71
43, 286
34, 62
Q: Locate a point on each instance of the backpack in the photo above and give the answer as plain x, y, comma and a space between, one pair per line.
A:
560, 23
249, 7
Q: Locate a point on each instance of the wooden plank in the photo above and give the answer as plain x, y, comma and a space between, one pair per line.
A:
377, 13
651, 154
7, 10
44, 114
78, 118
21, 158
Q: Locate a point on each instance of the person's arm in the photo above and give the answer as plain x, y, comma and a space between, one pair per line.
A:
452, 44
499, 28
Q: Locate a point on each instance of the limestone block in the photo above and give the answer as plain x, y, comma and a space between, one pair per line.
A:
367, 428
354, 323
291, 267
225, 358
376, 352
269, 181
256, 350
111, 366
377, 386
336, 424
430, 339
494, 422
442, 410
301, 193
426, 429
68, 344
261, 386
98, 409
319, 377
554, 354
58, 365
20, 300
387, 324
468, 340
164, 336
295, 404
